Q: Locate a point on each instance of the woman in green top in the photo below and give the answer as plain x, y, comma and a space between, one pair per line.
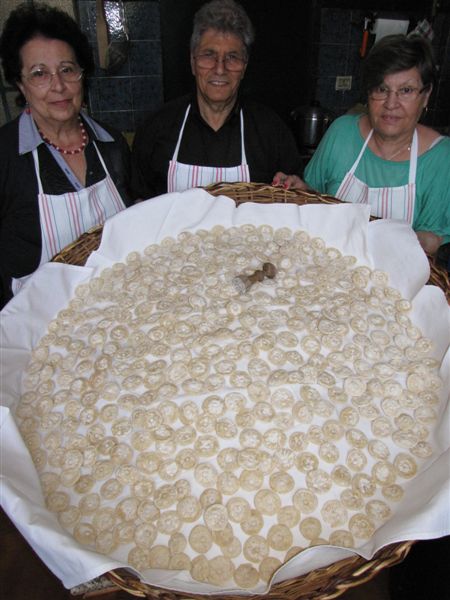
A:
385, 158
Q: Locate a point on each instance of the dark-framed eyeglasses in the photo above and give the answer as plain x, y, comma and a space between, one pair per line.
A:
230, 61
404, 94
42, 77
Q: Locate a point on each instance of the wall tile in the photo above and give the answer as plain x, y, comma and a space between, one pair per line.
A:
143, 19
87, 18
354, 61
147, 93
335, 100
110, 93
145, 58
122, 70
347, 99
120, 120
335, 27
124, 97
332, 60
325, 92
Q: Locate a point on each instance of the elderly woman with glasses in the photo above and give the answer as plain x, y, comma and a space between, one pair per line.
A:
213, 134
386, 158
61, 173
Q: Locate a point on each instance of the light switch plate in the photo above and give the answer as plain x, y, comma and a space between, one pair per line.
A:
343, 82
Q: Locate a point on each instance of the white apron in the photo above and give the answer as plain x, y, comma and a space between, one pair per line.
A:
386, 202
65, 217
182, 177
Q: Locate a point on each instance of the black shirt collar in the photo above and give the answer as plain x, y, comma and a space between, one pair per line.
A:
195, 110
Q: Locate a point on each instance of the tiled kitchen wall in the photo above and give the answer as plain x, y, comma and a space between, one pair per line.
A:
337, 39
124, 98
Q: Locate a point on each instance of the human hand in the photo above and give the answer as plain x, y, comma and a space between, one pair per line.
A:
429, 241
292, 182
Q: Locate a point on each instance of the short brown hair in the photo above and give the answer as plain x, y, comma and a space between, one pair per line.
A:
395, 53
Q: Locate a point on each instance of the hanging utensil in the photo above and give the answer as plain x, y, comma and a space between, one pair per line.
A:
112, 35
365, 38
119, 38
102, 35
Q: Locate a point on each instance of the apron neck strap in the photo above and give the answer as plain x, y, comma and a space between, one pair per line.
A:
358, 158
243, 155
412, 157
180, 135
64, 167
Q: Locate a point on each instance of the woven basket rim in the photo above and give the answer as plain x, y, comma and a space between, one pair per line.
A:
318, 584
79, 251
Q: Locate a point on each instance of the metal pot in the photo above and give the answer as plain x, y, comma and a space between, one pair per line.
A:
310, 123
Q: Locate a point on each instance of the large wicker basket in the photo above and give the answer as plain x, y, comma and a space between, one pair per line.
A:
78, 252
320, 584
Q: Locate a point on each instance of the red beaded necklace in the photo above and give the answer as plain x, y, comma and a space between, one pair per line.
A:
84, 137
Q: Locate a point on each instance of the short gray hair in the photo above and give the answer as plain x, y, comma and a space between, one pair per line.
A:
226, 16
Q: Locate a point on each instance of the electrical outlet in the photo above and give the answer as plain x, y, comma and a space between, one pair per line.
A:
343, 82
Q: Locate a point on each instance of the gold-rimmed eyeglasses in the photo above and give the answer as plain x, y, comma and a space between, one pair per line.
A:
42, 77
230, 61
404, 94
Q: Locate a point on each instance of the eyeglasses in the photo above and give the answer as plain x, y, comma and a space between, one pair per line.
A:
42, 77
231, 62
404, 94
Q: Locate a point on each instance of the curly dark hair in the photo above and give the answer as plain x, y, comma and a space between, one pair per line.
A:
395, 53
29, 21
226, 16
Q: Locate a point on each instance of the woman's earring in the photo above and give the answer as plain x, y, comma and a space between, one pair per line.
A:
27, 108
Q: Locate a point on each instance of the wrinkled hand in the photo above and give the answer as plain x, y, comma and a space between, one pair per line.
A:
429, 241
292, 182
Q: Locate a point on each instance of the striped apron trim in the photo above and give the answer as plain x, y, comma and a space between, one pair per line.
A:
64, 217
385, 202
182, 176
